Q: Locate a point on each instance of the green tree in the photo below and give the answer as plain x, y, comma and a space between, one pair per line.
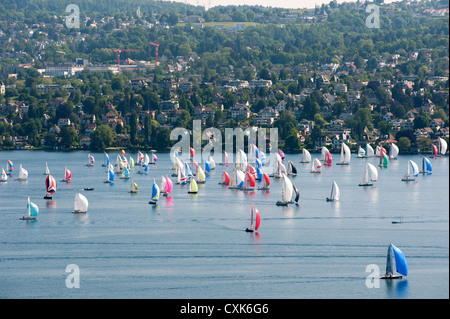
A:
68, 136
404, 143
102, 138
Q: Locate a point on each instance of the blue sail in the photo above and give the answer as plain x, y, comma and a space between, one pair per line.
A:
111, 175
400, 261
34, 210
426, 165
155, 192
258, 163
259, 173
207, 166
107, 159
189, 172
126, 172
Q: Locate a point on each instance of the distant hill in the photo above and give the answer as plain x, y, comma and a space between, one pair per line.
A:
21, 8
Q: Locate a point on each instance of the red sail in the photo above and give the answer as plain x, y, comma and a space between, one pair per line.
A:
50, 184
258, 219
435, 150
226, 178
251, 179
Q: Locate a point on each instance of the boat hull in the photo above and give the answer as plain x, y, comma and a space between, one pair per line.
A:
391, 277
365, 184
27, 218
279, 203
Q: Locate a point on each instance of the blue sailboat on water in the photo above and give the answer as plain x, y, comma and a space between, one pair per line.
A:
426, 166
33, 211
155, 193
110, 176
395, 260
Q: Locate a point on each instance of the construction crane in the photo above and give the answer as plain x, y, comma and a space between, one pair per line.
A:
156, 44
118, 56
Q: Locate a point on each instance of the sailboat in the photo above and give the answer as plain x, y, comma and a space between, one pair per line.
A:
4, 176
316, 166
106, 159
372, 171
81, 204
47, 170
67, 176
306, 156
125, 173
212, 163
50, 185
393, 151
225, 178
442, 146
193, 187
225, 159
398, 261
384, 159
110, 174
335, 193
345, 155
169, 186
295, 195
155, 193
153, 158
9, 167
326, 156
286, 192
266, 182
23, 173
254, 227
91, 160
33, 211
369, 151
412, 171
134, 188
249, 182
426, 166
434, 150
292, 170
361, 152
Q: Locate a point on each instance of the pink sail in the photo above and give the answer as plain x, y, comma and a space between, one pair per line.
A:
192, 152
251, 170
257, 218
226, 157
328, 158
68, 175
169, 185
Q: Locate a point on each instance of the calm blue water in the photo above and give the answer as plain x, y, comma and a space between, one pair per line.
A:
194, 246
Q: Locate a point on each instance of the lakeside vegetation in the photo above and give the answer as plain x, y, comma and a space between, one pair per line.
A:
321, 76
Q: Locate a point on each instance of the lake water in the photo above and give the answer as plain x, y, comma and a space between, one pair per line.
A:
195, 246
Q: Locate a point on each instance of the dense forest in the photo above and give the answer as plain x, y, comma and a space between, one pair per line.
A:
271, 44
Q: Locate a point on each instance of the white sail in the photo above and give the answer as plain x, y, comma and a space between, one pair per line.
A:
366, 175
23, 173
47, 170
335, 191
306, 156
347, 153
316, 166
162, 186
212, 163
240, 178
4, 176
201, 177
361, 152
393, 151
414, 168
81, 203
288, 188
373, 172
443, 147
369, 150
